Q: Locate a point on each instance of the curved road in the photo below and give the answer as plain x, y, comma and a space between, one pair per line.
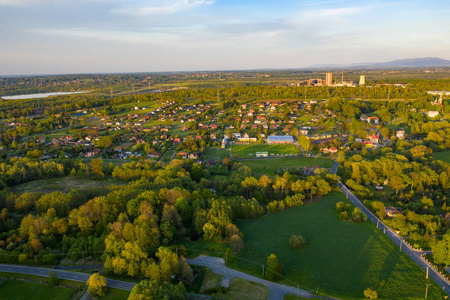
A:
277, 291
123, 285
416, 256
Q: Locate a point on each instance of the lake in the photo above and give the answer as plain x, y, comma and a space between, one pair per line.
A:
43, 95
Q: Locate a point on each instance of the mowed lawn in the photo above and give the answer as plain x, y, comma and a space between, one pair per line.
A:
217, 153
23, 290
269, 166
342, 258
249, 150
444, 156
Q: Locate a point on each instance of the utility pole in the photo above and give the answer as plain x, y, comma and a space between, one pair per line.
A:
427, 273
389, 93
426, 291
401, 242
263, 270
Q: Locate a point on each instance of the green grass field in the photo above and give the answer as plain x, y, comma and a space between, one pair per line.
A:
63, 184
177, 130
167, 155
341, 258
444, 156
269, 166
243, 289
217, 153
210, 282
115, 294
17, 289
249, 150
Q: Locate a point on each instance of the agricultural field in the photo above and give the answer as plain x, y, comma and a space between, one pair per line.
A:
341, 259
12, 289
444, 156
269, 166
249, 150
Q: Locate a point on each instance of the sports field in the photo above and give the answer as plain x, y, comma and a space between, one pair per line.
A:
249, 150
341, 259
217, 153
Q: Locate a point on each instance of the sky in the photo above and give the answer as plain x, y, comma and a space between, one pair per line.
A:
115, 36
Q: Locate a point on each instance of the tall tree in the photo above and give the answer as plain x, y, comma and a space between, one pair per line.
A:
96, 285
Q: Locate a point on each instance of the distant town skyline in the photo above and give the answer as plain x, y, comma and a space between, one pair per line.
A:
119, 36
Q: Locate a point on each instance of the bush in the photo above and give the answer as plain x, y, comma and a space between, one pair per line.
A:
221, 290
53, 278
343, 216
229, 256
370, 294
342, 206
236, 243
297, 242
273, 271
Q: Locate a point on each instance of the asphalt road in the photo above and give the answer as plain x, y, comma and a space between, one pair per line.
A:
277, 291
123, 285
416, 256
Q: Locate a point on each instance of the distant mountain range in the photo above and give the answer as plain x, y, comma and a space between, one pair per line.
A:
399, 63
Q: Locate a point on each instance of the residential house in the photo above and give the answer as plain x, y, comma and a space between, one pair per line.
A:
400, 133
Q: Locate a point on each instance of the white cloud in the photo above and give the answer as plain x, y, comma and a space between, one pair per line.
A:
332, 14
161, 7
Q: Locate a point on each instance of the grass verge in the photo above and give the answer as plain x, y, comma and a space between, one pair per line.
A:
210, 282
12, 289
243, 289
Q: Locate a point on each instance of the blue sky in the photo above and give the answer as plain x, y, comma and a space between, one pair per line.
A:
85, 36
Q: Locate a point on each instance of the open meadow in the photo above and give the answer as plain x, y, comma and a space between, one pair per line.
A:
62, 184
341, 259
249, 150
269, 166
